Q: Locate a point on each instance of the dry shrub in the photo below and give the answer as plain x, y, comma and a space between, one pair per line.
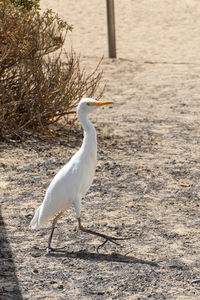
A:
38, 92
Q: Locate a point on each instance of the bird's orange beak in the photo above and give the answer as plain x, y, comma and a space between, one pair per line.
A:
100, 103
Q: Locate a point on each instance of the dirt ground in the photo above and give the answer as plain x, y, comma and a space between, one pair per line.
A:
147, 179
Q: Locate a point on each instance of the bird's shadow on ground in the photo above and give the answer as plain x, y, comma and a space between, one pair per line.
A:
114, 257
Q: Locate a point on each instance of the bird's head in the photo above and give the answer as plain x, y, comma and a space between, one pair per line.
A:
87, 105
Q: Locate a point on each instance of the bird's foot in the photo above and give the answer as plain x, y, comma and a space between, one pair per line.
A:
51, 250
47, 248
106, 238
112, 240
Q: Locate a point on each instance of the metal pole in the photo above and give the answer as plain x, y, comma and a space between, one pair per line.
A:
111, 28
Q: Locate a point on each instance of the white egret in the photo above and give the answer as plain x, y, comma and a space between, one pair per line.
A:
72, 182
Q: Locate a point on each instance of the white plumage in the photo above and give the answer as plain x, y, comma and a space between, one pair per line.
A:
72, 182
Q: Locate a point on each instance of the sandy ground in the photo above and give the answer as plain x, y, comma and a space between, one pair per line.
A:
147, 179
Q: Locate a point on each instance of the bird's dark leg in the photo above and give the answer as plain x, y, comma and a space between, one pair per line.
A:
106, 237
52, 231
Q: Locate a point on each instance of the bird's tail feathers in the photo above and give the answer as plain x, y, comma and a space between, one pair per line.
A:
34, 222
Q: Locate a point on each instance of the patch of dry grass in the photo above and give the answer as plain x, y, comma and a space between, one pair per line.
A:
38, 92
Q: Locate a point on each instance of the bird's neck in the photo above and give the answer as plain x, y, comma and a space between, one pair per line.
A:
90, 138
